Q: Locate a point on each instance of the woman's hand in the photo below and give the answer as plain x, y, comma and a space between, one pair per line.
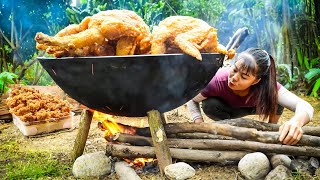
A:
291, 131
198, 121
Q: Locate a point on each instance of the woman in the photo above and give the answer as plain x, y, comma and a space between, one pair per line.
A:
249, 87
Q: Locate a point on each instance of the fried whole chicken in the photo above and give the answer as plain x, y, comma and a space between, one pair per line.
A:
187, 34
112, 32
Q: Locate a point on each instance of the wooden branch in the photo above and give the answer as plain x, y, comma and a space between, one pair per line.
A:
224, 157
199, 136
159, 139
238, 132
233, 145
232, 131
262, 126
8, 41
24, 68
83, 131
38, 76
249, 123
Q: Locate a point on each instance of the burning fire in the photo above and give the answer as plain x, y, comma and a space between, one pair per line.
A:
110, 127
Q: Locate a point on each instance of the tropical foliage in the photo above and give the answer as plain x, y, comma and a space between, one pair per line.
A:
289, 30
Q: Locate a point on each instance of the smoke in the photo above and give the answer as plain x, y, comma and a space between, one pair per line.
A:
264, 19
30, 17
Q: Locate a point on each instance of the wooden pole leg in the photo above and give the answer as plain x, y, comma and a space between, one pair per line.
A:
82, 136
159, 139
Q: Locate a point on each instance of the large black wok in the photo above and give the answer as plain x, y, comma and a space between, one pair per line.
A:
133, 85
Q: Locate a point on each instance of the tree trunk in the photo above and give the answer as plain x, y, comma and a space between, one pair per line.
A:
317, 18
285, 32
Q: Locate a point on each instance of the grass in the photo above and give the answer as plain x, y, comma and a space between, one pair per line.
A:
16, 163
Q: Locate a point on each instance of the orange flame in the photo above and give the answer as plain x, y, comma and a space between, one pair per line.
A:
111, 127
108, 123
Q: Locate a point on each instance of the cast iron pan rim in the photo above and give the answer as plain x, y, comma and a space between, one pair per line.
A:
126, 56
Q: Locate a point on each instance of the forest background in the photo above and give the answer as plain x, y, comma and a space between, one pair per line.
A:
287, 29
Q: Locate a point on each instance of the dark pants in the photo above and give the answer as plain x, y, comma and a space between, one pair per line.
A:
217, 109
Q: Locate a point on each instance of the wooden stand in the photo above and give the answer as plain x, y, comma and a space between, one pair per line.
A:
82, 136
159, 139
158, 134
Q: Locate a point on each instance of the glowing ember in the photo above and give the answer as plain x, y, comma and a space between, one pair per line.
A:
140, 162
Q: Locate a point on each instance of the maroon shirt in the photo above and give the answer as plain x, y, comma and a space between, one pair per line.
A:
218, 86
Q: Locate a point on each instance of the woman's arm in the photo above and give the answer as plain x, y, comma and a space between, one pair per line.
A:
194, 108
291, 131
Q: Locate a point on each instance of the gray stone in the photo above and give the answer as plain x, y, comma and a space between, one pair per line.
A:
125, 171
281, 172
280, 159
93, 164
254, 166
179, 171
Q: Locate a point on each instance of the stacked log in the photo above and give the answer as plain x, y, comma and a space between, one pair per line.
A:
224, 142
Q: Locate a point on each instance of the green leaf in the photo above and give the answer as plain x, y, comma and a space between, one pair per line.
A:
299, 55
306, 62
312, 73
314, 61
315, 88
1, 85
8, 77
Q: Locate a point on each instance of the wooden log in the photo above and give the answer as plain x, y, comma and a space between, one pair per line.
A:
223, 157
238, 132
232, 131
82, 136
199, 136
159, 139
262, 126
212, 144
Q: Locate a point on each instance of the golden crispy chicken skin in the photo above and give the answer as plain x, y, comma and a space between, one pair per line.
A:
112, 32
31, 105
188, 34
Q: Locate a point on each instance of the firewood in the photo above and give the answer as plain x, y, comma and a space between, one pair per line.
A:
199, 136
83, 131
262, 126
232, 131
212, 144
159, 139
224, 157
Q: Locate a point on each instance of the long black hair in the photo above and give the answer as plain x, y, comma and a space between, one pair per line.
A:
263, 66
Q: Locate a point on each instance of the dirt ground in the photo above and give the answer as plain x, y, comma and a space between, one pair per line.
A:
61, 142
